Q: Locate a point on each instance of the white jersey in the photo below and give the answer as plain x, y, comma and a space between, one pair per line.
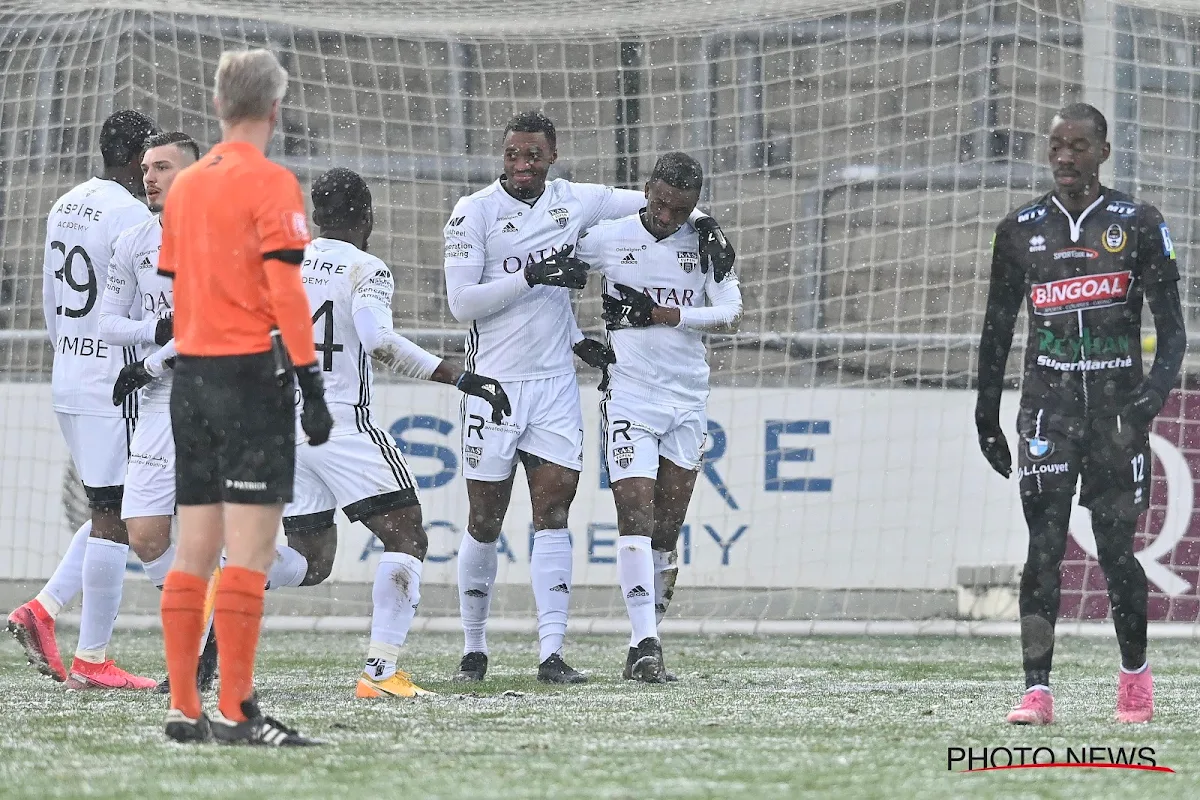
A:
81, 232
340, 279
492, 236
136, 291
659, 364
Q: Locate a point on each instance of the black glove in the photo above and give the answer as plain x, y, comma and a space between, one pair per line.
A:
133, 377
633, 310
715, 249
598, 355
488, 389
314, 417
165, 329
1140, 413
993, 444
560, 269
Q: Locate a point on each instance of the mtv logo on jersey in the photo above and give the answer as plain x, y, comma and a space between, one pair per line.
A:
561, 216
688, 261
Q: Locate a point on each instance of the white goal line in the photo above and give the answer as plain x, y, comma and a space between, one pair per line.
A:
615, 625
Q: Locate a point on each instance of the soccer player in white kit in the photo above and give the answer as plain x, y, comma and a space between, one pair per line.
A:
508, 272
660, 297
81, 231
360, 469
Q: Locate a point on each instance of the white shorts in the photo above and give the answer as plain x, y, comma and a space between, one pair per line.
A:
363, 473
99, 447
150, 479
637, 433
546, 422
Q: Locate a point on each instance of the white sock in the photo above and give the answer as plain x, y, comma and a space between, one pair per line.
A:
395, 595
67, 581
665, 563
476, 577
157, 569
1137, 671
635, 569
550, 574
103, 577
1037, 687
288, 568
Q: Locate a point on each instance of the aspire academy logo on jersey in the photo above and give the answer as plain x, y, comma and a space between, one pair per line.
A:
1080, 293
990, 759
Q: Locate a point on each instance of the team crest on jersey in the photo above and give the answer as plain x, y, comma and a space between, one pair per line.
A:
472, 453
688, 260
1114, 238
561, 216
1031, 214
623, 455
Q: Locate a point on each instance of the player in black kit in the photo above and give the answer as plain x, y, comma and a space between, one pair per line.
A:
1083, 257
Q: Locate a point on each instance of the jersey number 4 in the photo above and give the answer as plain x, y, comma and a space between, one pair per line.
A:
66, 273
325, 344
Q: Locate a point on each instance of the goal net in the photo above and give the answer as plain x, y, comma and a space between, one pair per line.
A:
859, 155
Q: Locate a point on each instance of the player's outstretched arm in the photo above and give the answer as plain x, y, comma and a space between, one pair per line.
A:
999, 322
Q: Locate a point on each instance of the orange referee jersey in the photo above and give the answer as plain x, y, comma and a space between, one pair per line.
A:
234, 232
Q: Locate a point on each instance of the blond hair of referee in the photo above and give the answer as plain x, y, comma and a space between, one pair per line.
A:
234, 232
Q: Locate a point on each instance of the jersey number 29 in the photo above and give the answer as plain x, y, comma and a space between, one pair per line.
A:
67, 273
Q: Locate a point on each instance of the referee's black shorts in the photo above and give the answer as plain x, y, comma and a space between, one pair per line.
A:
234, 424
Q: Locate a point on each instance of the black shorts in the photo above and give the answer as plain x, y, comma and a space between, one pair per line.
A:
234, 424
1113, 461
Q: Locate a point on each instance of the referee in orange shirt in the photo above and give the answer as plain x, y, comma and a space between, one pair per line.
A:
234, 231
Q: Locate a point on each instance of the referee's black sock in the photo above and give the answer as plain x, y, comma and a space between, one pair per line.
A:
1127, 590
1047, 516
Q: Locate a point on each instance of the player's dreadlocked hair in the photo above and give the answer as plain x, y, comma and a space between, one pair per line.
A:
1082, 111
341, 199
177, 138
679, 170
123, 135
532, 122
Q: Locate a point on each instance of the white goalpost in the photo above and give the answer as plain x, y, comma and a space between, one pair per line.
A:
859, 154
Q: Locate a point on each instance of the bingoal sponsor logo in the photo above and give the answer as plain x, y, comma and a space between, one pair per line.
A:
1080, 293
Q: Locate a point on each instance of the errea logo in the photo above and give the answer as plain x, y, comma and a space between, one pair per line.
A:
1037, 244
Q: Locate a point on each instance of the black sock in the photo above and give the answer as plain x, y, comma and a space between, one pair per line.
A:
1127, 589
1047, 516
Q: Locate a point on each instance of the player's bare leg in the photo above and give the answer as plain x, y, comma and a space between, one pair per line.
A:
488, 502
395, 596
552, 487
634, 499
